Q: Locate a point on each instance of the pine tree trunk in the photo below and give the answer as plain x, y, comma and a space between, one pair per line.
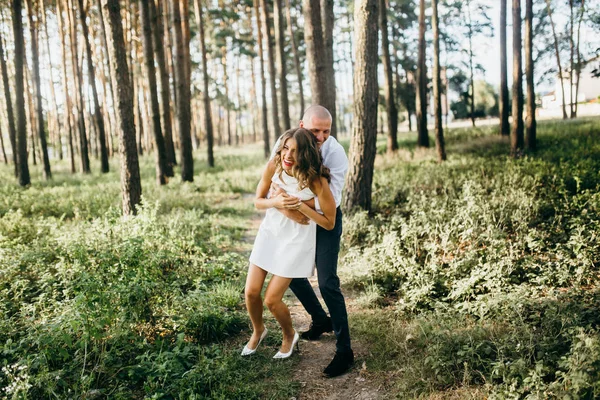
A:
272, 72
131, 187
392, 112
291, 30
37, 89
516, 139
281, 62
530, 123
364, 126
68, 103
504, 102
437, 85
183, 100
558, 63
572, 59
471, 67
578, 51
167, 124
24, 178
208, 126
78, 79
263, 81
423, 136
30, 111
327, 21
254, 110
160, 151
52, 100
12, 130
98, 116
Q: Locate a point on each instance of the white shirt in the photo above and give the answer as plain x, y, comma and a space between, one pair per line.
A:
334, 158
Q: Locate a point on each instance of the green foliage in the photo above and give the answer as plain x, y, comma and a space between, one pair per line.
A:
94, 305
491, 262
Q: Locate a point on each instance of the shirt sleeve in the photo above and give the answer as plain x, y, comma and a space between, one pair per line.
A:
337, 162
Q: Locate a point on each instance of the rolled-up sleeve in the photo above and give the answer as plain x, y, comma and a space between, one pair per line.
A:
336, 160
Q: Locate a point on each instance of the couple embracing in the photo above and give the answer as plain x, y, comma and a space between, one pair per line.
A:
301, 189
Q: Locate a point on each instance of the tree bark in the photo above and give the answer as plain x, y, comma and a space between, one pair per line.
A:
364, 126
263, 81
67, 105
530, 122
423, 136
208, 126
504, 102
160, 151
577, 49
572, 59
272, 73
12, 130
167, 123
281, 62
557, 52
471, 68
24, 178
98, 116
78, 79
131, 187
327, 20
437, 84
291, 25
392, 112
183, 101
516, 139
37, 90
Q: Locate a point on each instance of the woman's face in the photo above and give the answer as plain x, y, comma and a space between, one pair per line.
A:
288, 154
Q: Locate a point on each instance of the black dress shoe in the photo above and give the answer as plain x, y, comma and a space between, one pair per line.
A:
316, 329
341, 363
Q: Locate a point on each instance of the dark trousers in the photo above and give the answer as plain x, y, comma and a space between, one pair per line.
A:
328, 248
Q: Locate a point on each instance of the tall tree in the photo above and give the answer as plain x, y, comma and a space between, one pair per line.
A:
78, 81
299, 73
516, 139
392, 112
167, 127
558, 62
318, 56
423, 136
98, 115
364, 126
12, 130
504, 125
263, 81
437, 84
281, 63
131, 187
37, 89
530, 122
208, 126
578, 52
67, 104
327, 20
159, 142
272, 73
17, 8
183, 100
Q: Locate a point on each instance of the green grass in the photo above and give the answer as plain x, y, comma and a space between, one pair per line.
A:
489, 266
474, 278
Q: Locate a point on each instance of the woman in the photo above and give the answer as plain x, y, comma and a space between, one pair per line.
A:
283, 247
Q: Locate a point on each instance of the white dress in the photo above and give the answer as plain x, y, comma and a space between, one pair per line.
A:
283, 247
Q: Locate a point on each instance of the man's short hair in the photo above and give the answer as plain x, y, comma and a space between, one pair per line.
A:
316, 111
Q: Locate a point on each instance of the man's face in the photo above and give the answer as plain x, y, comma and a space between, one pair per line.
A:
320, 128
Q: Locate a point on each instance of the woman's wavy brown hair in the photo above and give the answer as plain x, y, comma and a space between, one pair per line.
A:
309, 163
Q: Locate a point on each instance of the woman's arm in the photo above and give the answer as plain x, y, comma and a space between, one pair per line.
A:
283, 200
327, 203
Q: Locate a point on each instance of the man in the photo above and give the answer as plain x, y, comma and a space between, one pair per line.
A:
317, 120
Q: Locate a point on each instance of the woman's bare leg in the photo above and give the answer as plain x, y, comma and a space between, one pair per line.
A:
254, 284
274, 300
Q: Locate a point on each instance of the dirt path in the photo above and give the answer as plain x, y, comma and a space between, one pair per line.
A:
314, 356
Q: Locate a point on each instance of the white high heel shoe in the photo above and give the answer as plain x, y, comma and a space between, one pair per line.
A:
248, 351
289, 353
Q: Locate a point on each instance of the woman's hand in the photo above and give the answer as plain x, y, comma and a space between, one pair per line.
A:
284, 200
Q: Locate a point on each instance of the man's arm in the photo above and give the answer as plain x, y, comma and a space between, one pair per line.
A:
294, 215
337, 162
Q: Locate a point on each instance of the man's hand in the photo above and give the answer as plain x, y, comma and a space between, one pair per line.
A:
275, 190
285, 201
295, 216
